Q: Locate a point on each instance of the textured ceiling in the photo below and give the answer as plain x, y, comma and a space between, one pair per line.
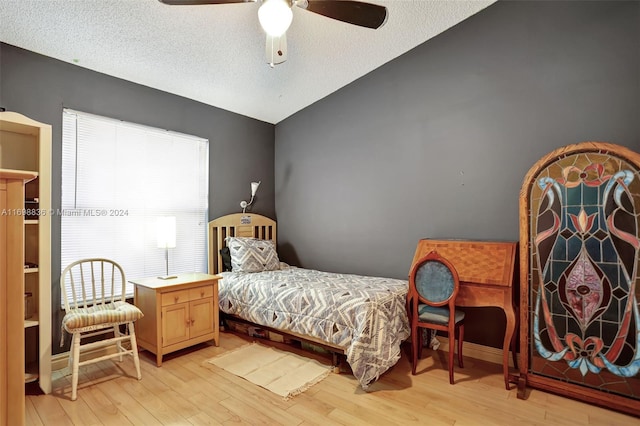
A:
216, 54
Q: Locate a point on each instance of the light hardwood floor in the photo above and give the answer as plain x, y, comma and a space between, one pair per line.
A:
188, 391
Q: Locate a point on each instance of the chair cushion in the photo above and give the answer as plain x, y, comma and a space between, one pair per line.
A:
437, 315
110, 313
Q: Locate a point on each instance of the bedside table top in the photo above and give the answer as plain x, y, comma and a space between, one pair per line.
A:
189, 278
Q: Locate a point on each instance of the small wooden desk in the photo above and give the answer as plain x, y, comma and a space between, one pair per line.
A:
486, 279
178, 312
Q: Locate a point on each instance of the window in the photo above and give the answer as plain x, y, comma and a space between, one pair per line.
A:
118, 178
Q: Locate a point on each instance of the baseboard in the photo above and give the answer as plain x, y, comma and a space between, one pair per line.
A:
474, 350
61, 361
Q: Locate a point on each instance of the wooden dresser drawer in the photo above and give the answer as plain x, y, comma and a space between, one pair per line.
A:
174, 297
201, 292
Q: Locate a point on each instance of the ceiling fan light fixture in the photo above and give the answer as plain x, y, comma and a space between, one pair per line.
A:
275, 17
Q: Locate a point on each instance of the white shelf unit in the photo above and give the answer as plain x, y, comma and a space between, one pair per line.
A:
25, 144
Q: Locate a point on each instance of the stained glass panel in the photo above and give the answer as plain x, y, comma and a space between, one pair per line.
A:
584, 234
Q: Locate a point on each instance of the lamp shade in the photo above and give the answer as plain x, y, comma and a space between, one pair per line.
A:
254, 188
275, 16
166, 231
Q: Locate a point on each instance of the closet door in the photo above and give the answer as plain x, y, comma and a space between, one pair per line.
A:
580, 286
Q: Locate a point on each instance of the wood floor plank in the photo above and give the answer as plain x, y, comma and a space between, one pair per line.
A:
361, 407
376, 403
345, 418
214, 409
607, 417
103, 408
79, 412
312, 412
50, 410
247, 413
203, 418
31, 414
187, 390
179, 403
253, 397
138, 414
156, 403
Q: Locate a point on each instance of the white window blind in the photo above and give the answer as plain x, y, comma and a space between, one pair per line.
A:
118, 178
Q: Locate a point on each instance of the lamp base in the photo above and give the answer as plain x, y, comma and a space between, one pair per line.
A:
167, 277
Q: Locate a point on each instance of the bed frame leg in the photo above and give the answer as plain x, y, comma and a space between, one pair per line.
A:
338, 359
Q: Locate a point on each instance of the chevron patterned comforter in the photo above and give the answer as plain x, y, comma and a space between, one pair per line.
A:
365, 315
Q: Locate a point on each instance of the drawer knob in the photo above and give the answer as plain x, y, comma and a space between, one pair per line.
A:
201, 293
175, 299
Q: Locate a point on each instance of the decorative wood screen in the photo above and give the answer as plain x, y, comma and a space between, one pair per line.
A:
579, 254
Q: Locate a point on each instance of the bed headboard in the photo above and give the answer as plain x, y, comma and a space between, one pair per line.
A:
236, 225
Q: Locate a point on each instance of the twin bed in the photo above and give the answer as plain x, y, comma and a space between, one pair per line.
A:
363, 318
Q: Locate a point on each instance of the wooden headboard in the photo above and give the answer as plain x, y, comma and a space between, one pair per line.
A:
236, 225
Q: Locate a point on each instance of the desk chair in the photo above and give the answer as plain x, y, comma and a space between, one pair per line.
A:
433, 287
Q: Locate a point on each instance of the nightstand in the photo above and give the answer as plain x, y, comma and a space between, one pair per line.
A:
178, 312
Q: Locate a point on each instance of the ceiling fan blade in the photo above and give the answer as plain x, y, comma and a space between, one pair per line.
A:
199, 2
353, 12
276, 49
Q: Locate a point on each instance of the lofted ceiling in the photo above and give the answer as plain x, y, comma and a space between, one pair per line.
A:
215, 54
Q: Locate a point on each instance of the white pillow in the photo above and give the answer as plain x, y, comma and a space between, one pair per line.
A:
252, 254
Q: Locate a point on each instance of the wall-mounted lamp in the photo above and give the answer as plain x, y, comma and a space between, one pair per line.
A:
254, 188
166, 239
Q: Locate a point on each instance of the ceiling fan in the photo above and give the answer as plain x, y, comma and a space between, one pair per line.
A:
275, 17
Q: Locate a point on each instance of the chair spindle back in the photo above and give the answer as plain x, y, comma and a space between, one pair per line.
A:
94, 281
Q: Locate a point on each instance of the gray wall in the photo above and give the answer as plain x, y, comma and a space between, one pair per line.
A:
241, 149
437, 142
